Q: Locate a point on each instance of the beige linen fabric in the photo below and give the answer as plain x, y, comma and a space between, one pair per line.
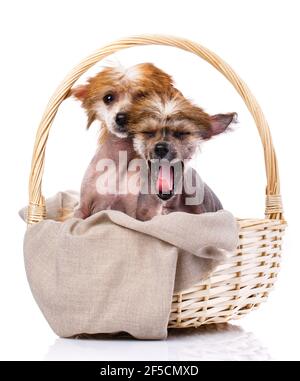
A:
112, 273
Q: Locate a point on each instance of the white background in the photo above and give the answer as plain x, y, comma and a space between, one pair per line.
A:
42, 40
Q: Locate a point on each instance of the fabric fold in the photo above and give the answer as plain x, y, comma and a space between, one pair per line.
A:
111, 273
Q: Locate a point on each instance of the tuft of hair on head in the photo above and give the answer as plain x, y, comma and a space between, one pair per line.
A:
152, 72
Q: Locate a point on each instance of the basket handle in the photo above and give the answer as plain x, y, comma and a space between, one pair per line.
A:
36, 209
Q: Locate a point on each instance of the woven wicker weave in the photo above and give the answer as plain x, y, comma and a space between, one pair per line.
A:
245, 281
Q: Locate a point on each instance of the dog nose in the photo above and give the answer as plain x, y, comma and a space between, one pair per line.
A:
161, 150
121, 119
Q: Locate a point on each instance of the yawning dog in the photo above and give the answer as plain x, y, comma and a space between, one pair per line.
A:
166, 130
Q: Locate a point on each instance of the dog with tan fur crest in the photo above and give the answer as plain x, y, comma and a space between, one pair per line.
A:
166, 130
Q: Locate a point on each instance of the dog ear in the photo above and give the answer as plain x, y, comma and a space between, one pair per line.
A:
80, 92
220, 122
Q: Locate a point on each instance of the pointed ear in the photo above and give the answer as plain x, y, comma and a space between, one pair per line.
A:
220, 122
80, 92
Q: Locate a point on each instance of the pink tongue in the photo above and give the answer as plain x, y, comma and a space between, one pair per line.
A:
164, 183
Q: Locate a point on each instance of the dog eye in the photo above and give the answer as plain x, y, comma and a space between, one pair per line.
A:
149, 134
180, 134
108, 98
140, 95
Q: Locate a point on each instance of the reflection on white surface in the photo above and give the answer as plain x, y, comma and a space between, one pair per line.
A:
213, 342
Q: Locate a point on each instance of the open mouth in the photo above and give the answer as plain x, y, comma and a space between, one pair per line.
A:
165, 182
162, 174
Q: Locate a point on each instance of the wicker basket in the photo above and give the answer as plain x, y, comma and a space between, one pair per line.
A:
245, 281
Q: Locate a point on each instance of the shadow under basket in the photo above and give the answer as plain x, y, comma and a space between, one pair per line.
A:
244, 282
